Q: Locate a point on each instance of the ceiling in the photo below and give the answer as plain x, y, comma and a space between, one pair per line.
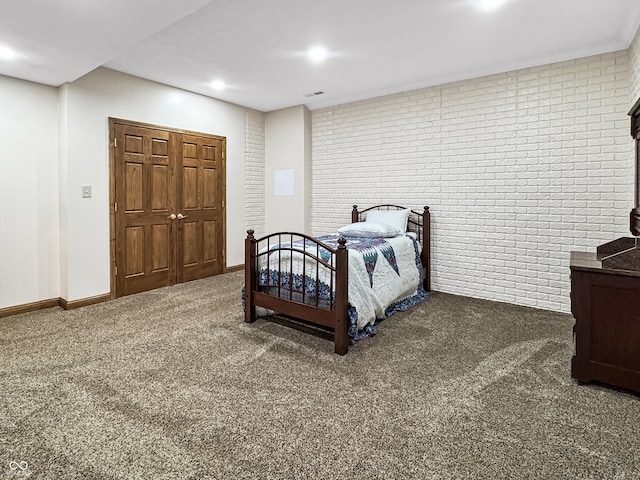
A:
257, 47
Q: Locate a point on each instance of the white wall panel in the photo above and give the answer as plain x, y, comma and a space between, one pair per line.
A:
104, 93
29, 260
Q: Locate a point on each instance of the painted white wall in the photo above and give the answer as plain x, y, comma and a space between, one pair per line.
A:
29, 261
286, 148
519, 169
90, 101
63, 185
56, 244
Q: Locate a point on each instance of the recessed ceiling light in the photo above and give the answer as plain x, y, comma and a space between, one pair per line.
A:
217, 85
491, 4
317, 54
7, 54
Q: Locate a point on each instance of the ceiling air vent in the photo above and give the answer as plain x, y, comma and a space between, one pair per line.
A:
314, 94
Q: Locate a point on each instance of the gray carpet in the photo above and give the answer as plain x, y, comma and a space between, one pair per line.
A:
171, 384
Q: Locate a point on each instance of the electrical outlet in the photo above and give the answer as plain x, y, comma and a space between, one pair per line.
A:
86, 191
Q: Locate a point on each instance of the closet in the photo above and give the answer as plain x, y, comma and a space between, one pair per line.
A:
167, 206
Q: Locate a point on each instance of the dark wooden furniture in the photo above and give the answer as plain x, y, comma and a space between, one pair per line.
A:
605, 292
634, 216
334, 312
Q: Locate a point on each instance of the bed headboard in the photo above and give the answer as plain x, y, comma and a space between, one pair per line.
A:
418, 223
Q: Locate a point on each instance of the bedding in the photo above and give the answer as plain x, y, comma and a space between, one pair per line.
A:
369, 229
384, 276
393, 218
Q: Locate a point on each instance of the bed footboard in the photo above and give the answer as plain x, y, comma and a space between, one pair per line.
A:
296, 275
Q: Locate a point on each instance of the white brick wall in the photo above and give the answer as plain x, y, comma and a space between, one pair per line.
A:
518, 169
255, 171
634, 61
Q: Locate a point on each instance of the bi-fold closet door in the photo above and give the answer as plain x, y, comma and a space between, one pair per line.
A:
168, 206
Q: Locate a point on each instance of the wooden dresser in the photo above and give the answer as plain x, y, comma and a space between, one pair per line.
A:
605, 301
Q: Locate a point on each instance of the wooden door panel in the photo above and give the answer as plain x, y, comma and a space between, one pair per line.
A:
189, 151
160, 188
134, 255
133, 143
190, 243
209, 152
210, 188
190, 188
209, 241
202, 193
144, 176
160, 247
160, 148
133, 187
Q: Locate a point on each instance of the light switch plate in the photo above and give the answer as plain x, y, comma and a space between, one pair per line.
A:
86, 191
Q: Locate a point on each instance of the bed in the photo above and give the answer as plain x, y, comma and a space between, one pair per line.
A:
339, 281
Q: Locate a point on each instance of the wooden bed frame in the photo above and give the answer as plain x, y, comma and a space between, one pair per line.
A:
333, 313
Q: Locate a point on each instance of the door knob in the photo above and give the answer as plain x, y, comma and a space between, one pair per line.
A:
172, 216
181, 216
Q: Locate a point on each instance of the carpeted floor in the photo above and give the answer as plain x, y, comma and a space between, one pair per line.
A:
171, 384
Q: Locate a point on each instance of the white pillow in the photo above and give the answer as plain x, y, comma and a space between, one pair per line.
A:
394, 218
369, 229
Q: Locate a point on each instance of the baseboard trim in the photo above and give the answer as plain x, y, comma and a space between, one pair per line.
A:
29, 307
53, 302
235, 268
83, 302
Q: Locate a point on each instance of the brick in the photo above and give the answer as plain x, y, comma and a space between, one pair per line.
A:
519, 169
255, 171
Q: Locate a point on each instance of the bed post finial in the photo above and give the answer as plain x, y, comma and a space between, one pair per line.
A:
250, 233
426, 209
342, 243
355, 216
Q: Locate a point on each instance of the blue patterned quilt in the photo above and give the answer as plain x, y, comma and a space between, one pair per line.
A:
385, 276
